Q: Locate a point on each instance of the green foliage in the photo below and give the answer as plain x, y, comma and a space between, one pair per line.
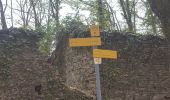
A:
72, 22
129, 13
48, 37
74, 26
51, 33
151, 20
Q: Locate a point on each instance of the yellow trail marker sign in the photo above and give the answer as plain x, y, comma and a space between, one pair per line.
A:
94, 30
76, 42
100, 53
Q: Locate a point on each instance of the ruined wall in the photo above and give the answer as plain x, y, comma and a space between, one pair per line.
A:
141, 72
23, 67
80, 70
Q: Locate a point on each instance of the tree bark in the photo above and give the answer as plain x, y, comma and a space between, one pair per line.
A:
55, 6
127, 14
3, 20
166, 30
153, 22
37, 24
161, 8
12, 14
100, 12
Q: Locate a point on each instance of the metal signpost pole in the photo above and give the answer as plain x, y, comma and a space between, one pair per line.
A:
98, 87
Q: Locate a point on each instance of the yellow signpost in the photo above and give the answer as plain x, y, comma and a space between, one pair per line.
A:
94, 30
77, 42
100, 53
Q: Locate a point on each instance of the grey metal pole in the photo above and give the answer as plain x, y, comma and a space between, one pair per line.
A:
98, 87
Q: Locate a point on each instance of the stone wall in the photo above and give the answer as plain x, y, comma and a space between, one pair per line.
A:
141, 72
23, 67
80, 70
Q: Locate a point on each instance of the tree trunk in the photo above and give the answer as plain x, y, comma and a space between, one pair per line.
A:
161, 8
55, 7
100, 13
127, 14
166, 30
11, 14
3, 20
129, 19
153, 22
37, 24
134, 16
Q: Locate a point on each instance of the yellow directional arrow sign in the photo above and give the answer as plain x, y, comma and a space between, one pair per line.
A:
76, 42
100, 53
